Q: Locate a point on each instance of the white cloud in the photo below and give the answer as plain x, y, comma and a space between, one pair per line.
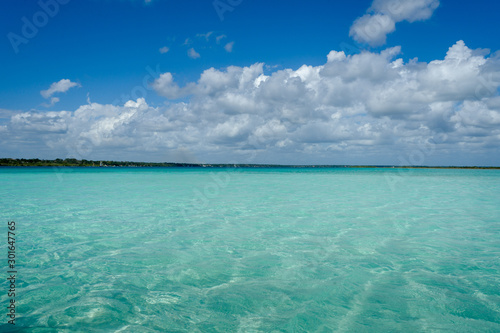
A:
53, 101
41, 123
164, 49
60, 86
229, 47
205, 36
363, 108
193, 54
373, 27
219, 38
165, 86
409, 10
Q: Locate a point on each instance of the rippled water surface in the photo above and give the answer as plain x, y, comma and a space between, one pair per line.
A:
254, 250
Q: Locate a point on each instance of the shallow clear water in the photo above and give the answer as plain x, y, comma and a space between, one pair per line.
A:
254, 250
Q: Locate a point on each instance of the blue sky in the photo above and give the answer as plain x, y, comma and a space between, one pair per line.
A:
249, 81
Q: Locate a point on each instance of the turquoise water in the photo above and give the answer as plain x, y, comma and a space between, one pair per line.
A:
254, 250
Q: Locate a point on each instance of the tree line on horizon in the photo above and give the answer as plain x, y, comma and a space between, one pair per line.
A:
73, 162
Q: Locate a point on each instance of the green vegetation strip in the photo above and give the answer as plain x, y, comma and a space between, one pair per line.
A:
72, 162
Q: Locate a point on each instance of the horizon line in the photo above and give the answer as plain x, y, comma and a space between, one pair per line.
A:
73, 162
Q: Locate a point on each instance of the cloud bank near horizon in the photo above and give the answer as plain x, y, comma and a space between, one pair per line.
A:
370, 106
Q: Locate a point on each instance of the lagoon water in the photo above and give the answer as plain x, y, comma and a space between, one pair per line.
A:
254, 250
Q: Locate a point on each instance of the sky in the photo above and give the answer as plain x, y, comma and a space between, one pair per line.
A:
367, 82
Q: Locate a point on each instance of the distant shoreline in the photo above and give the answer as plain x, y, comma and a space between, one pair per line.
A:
71, 162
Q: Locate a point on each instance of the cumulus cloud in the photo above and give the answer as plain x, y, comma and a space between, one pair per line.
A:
381, 18
367, 107
372, 29
165, 86
164, 49
193, 54
41, 123
60, 86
